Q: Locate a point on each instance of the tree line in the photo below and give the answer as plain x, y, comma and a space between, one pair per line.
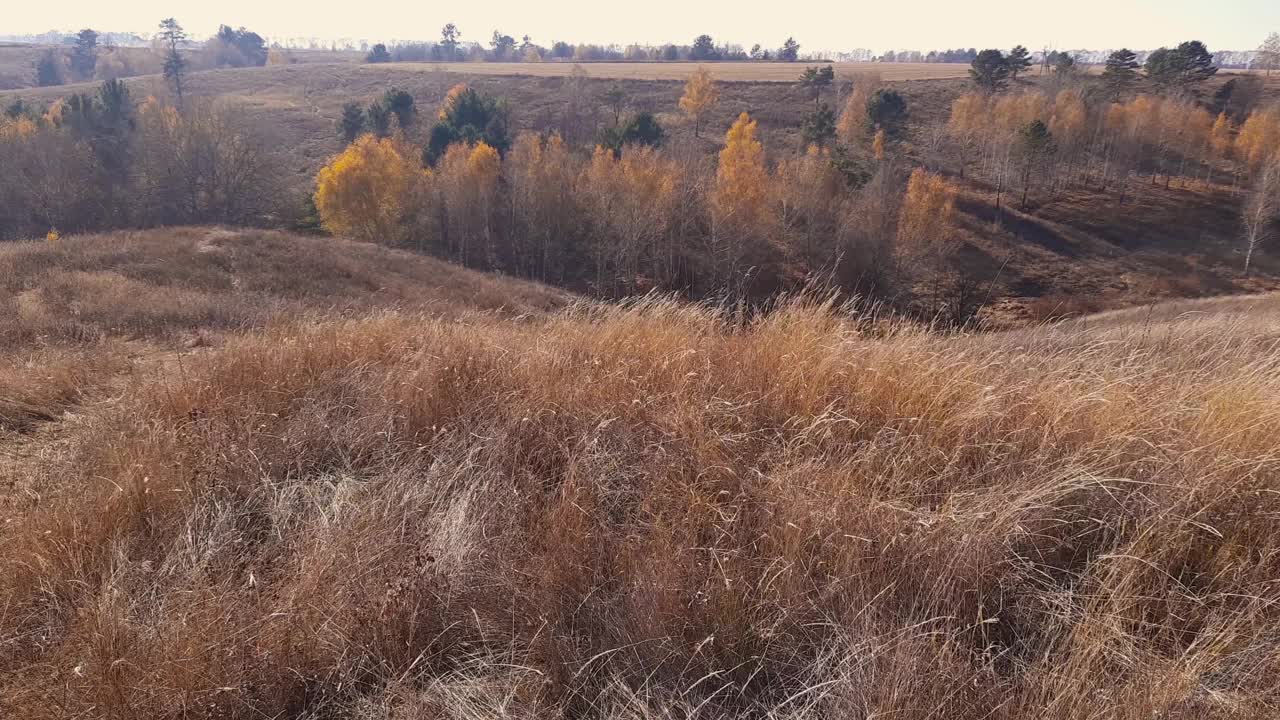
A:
88, 59
100, 161
1155, 121
501, 47
648, 213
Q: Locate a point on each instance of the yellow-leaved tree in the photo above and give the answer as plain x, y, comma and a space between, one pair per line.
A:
740, 202
926, 222
855, 123
969, 121
1259, 138
700, 96
927, 244
373, 191
633, 201
468, 182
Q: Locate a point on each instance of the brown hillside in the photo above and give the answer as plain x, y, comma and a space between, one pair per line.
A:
652, 511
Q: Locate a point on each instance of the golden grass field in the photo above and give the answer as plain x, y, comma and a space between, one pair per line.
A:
382, 488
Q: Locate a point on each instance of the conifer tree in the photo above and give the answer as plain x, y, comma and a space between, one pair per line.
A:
1121, 72
1019, 60
990, 70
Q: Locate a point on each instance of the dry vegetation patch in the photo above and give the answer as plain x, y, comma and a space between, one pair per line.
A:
654, 511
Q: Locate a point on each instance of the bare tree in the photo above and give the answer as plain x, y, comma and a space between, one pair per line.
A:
1261, 210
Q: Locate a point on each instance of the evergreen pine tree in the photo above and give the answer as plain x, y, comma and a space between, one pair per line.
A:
1121, 72
1019, 59
990, 70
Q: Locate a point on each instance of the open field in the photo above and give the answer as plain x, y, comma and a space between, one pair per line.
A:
722, 71
490, 504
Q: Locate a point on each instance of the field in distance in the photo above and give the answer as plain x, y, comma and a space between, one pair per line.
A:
723, 71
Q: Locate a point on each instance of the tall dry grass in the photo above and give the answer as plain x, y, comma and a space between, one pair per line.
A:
653, 511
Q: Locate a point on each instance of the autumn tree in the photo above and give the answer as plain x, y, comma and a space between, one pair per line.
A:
371, 191
968, 122
740, 204
927, 244
990, 70
209, 163
467, 180
809, 195
1121, 72
854, 126
543, 179
1259, 139
1019, 60
700, 96
632, 199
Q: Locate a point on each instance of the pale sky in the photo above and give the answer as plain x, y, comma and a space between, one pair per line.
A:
835, 26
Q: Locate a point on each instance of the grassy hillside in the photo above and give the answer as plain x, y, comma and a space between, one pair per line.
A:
73, 313
654, 510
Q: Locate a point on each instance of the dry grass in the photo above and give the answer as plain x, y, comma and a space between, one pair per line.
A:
652, 511
72, 313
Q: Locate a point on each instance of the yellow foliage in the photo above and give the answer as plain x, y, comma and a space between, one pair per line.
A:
1016, 111
531, 55
278, 56
16, 129
700, 95
927, 217
854, 123
741, 193
1220, 136
970, 113
370, 190
878, 145
1070, 117
53, 116
53, 235
1259, 138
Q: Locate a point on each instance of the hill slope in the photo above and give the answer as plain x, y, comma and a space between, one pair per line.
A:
654, 511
